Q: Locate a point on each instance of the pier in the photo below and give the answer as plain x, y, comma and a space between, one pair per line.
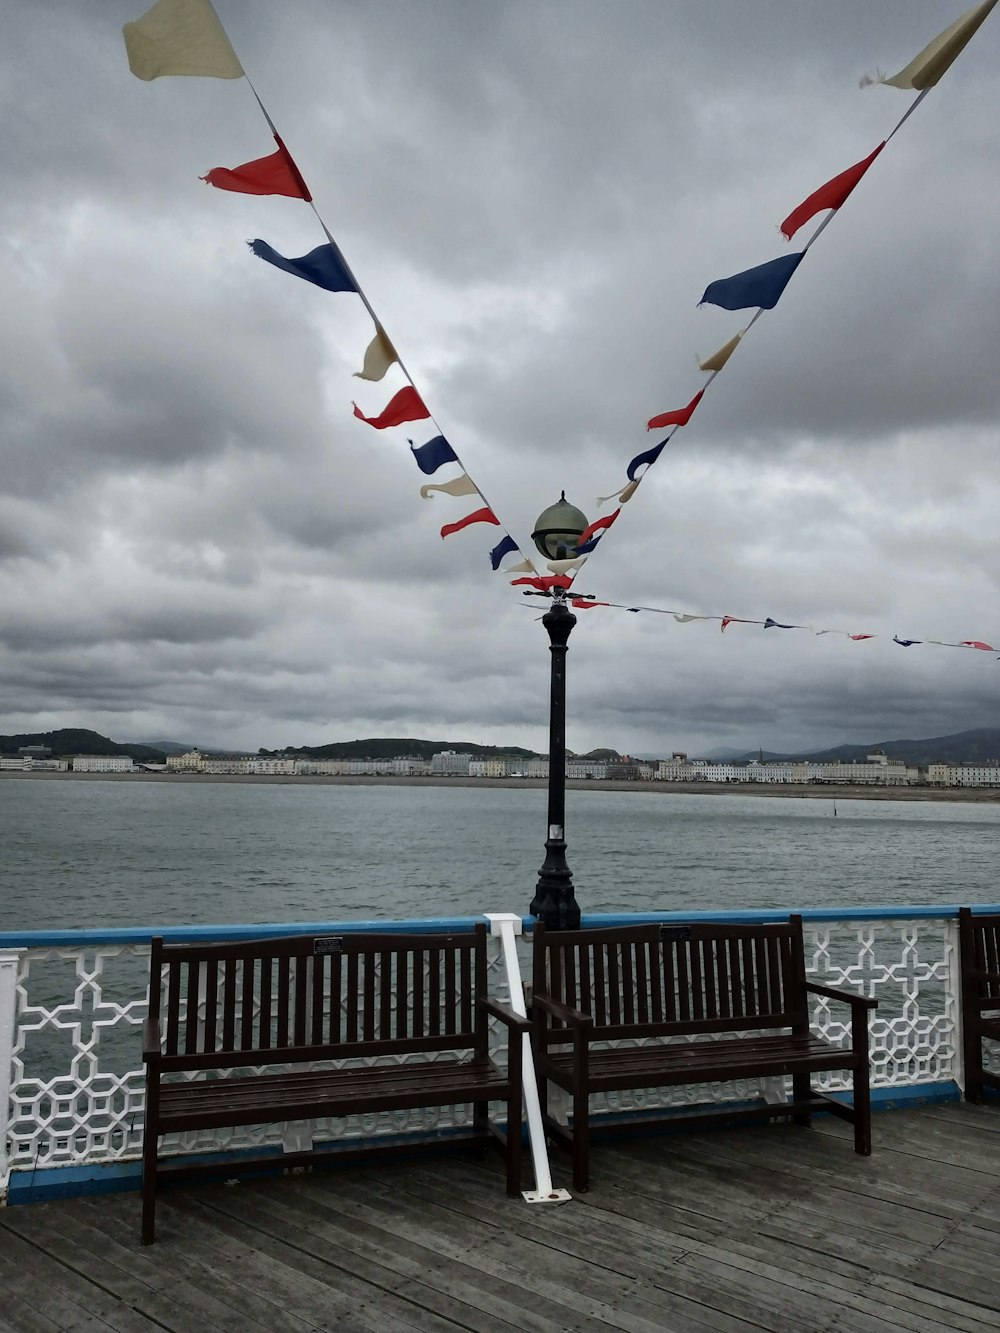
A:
776, 1228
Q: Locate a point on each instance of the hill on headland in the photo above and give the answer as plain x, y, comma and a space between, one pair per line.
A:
74, 740
978, 746
380, 747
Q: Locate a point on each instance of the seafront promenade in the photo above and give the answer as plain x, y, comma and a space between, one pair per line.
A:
786, 791
774, 1228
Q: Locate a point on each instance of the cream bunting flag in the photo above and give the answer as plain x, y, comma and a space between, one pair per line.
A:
564, 566
463, 485
720, 358
180, 37
622, 496
925, 69
522, 567
379, 356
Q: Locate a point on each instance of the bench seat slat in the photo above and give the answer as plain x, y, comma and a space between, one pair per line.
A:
663, 1065
268, 1098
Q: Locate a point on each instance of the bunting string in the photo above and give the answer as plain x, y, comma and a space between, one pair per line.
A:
769, 623
186, 37
763, 286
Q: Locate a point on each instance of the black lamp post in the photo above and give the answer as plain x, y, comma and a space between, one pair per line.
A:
556, 534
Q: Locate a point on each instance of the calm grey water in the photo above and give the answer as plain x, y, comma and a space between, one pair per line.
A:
81, 854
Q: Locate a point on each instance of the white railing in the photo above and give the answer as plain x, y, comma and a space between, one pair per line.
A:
72, 1089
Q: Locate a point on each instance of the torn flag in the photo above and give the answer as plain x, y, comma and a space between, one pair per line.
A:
937, 57
830, 195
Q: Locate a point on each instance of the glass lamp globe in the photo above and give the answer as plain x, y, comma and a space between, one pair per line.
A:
558, 529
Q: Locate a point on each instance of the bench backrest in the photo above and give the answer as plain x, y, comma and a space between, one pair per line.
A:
979, 941
654, 980
307, 997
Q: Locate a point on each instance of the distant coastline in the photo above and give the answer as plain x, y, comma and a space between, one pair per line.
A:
788, 791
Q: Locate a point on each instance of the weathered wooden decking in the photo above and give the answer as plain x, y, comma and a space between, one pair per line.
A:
764, 1228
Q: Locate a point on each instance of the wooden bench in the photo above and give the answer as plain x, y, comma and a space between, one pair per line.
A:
979, 953
362, 1001
657, 1006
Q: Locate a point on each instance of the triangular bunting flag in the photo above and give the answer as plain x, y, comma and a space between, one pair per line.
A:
463, 485
478, 516
937, 57
830, 195
180, 37
761, 286
323, 266
406, 405
719, 358
276, 174
379, 356
432, 455
679, 417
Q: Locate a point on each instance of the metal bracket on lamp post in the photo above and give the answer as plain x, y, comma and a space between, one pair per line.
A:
554, 903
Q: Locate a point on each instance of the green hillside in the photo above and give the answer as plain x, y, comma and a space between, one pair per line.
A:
73, 740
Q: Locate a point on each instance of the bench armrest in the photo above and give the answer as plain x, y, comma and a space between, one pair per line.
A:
505, 1014
847, 996
557, 1009
150, 1040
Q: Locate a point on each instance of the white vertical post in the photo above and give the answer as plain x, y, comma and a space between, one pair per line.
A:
506, 926
953, 997
9, 962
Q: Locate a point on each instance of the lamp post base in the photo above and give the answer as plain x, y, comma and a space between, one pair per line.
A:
554, 903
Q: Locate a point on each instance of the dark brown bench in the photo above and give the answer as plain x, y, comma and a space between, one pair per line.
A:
363, 1001
979, 952
657, 1006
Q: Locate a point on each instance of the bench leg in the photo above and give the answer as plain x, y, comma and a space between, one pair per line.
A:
515, 1148
149, 1143
862, 1109
481, 1128
581, 1141
801, 1091
973, 1066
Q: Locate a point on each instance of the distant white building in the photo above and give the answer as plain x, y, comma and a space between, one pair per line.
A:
264, 766
225, 763
448, 763
102, 763
188, 762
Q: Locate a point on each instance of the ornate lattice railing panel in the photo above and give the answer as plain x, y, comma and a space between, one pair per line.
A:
77, 1088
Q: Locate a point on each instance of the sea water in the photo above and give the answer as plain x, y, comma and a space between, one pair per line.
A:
91, 853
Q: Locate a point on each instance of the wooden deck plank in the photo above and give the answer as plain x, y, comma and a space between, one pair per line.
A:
778, 1229
320, 1293
572, 1281
451, 1290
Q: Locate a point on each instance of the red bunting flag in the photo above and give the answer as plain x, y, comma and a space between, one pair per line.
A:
978, 643
680, 417
596, 526
735, 620
830, 195
858, 637
584, 603
544, 584
407, 405
276, 174
478, 516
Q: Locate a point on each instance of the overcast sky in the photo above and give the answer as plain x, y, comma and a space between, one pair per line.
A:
199, 542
